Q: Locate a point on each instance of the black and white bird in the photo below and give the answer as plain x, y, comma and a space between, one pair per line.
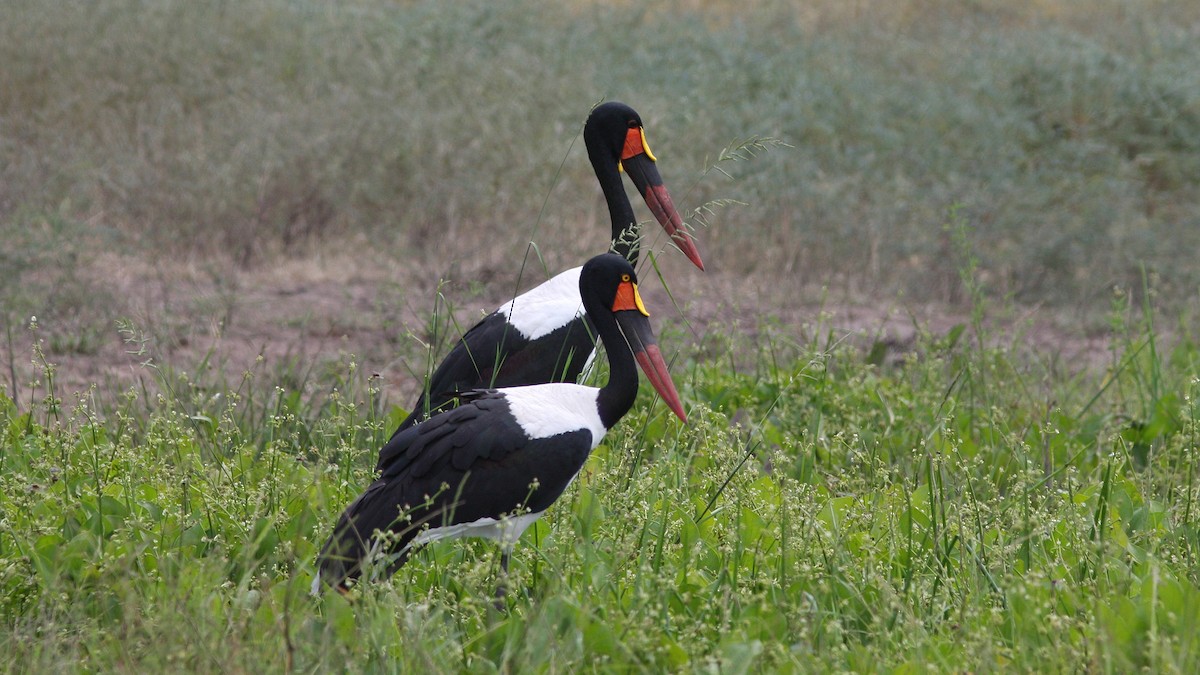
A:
542, 335
490, 467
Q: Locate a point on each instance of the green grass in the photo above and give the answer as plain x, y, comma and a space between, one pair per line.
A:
964, 509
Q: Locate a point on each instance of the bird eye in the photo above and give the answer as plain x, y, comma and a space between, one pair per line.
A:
624, 277
633, 124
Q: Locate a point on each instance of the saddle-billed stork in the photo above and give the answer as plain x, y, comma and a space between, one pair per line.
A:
490, 467
542, 335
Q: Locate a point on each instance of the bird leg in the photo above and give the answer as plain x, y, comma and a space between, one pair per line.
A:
502, 587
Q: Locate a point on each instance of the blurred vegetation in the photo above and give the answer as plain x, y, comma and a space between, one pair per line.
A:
1066, 136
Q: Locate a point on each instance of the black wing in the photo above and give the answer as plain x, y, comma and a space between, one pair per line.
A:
468, 463
494, 354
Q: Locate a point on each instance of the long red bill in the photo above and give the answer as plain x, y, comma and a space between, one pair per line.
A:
659, 201
643, 171
652, 363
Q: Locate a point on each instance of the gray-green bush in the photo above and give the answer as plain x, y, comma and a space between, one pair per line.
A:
1067, 136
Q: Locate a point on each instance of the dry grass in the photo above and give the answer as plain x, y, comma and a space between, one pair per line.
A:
443, 139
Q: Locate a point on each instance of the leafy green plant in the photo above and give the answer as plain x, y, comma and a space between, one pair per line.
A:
856, 517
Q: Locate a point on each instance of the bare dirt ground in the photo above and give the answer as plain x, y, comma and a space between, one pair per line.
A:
322, 311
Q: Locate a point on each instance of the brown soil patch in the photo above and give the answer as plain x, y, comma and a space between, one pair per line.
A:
320, 310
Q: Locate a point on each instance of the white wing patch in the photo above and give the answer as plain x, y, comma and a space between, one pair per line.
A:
545, 410
546, 307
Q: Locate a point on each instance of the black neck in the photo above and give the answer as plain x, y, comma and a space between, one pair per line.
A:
624, 224
618, 394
